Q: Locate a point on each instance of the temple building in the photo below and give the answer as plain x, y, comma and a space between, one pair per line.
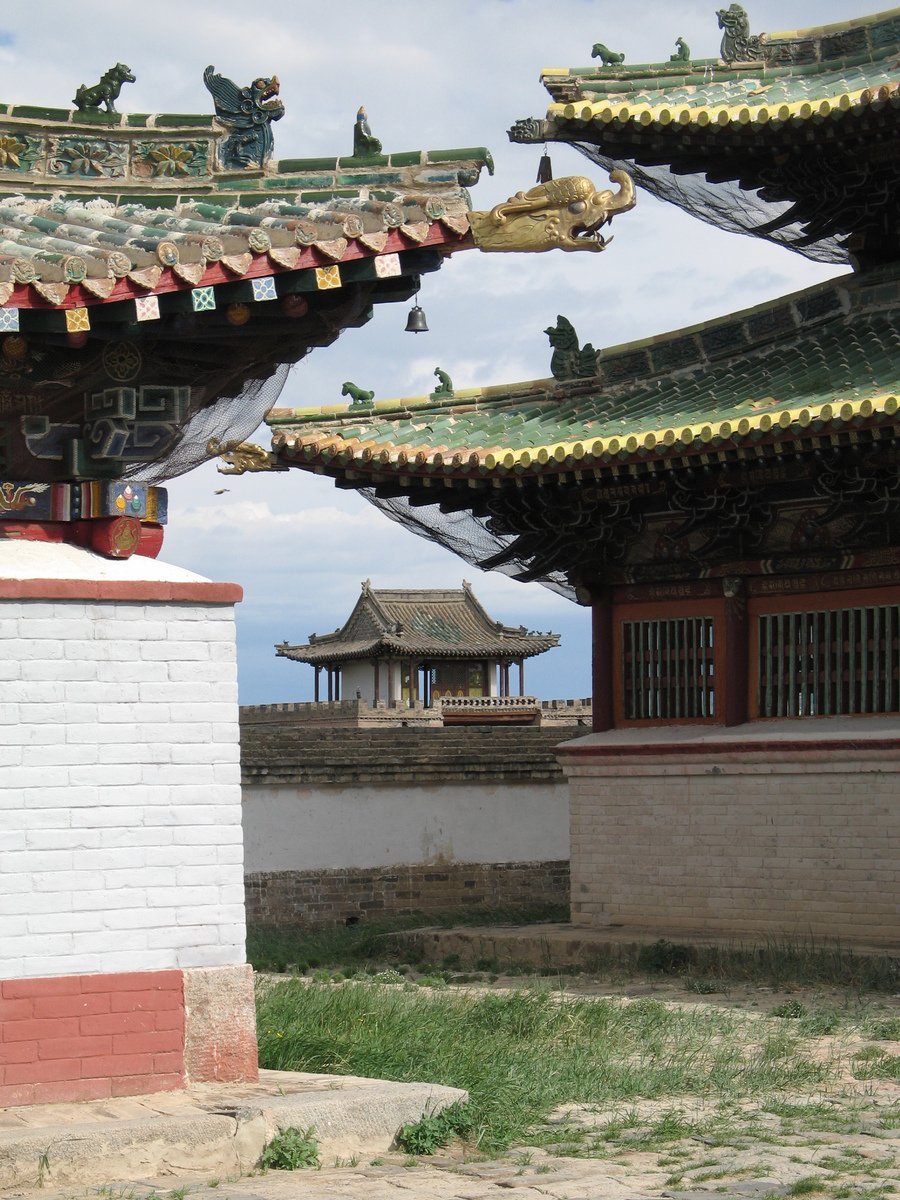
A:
406, 646
725, 497
159, 274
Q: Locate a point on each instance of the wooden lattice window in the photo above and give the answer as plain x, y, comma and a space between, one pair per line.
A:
832, 662
667, 669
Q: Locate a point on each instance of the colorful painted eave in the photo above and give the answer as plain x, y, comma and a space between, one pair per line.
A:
835, 72
145, 209
809, 370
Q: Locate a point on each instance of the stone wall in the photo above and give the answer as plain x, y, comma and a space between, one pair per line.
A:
345, 823
775, 829
339, 897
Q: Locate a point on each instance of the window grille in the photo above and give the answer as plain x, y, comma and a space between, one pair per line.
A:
668, 669
837, 661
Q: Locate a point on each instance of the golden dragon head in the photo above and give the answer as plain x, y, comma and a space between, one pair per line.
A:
565, 214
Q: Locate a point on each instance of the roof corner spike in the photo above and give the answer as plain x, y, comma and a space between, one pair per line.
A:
564, 214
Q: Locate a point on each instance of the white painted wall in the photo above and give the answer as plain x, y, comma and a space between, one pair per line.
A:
120, 811
297, 828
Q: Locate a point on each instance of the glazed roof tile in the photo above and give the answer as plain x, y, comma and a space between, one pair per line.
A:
820, 362
806, 75
97, 208
441, 623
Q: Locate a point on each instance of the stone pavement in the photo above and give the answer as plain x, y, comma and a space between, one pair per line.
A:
209, 1130
853, 1152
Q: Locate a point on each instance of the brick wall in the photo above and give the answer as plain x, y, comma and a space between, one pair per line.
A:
88, 1037
120, 815
780, 829
331, 897
121, 856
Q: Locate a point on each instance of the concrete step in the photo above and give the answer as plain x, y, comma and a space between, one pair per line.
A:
208, 1131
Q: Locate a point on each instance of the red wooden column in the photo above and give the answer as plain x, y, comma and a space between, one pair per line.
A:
316, 693
602, 664
521, 676
736, 630
413, 684
377, 690
330, 684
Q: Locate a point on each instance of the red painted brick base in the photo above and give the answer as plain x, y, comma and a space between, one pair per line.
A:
88, 1037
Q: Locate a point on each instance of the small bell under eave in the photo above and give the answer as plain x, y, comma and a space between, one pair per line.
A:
415, 322
545, 168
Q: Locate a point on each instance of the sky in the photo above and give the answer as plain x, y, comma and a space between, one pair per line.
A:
431, 76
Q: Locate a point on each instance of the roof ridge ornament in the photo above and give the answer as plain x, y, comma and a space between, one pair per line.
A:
738, 45
609, 58
105, 92
569, 360
248, 112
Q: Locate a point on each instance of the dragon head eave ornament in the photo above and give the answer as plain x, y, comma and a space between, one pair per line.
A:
564, 214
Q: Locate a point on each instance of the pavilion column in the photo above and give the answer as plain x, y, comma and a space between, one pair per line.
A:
337, 683
316, 692
377, 690
602, 664
413, 684
521, 665
390, 680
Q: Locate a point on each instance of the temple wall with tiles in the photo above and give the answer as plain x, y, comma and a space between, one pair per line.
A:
771, 830
344, 824
121, 858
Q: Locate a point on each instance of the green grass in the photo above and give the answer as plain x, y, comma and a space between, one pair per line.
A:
520, 1054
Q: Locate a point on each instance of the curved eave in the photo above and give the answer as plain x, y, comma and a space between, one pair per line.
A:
674, 120
521, 647
253, 259
770, 433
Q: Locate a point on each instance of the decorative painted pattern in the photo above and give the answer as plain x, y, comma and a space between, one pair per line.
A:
170, 160
88, 157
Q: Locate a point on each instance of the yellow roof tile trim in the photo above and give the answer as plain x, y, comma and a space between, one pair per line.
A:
674, 438
737, 430
741, 114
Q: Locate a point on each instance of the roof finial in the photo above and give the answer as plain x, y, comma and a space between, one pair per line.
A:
365, 144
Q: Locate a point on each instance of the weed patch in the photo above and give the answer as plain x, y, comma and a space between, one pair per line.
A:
291, 1150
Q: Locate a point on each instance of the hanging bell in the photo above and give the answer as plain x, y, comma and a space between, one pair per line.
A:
545, 168
415, 322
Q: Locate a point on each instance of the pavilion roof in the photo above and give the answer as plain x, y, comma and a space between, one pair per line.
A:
820, 364
98, 209
803, 76
426, 622
794, 145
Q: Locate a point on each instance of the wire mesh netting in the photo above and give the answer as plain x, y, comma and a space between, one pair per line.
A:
228, 418
465, 534
724, 204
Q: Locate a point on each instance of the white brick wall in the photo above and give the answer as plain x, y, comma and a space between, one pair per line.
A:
120, 805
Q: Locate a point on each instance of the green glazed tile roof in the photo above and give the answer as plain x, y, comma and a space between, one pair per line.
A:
440, 622
821, 361
806, 74
88, 200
